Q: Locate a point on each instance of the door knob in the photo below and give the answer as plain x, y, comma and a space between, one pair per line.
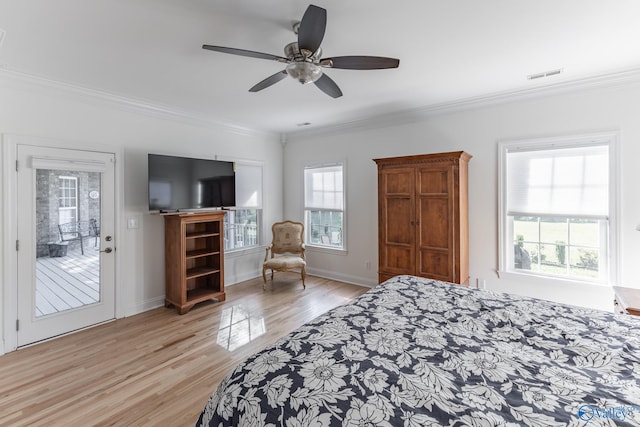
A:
108, 238
107, 250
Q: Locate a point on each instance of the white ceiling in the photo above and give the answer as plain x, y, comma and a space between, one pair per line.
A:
449, 51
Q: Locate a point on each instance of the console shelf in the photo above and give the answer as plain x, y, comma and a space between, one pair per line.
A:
194, 259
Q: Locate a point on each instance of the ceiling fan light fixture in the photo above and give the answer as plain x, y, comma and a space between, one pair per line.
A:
304, 72
304, 56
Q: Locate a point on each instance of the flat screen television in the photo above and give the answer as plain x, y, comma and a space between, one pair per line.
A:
183, 183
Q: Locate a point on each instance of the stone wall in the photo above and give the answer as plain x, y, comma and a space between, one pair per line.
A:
47, 204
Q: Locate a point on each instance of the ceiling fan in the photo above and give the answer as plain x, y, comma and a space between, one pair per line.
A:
303, 58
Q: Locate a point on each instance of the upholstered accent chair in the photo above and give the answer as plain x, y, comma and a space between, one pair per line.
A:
286, 251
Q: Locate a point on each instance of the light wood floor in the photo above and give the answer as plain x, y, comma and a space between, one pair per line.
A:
156, 368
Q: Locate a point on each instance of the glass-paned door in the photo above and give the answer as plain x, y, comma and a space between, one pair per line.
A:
65, 234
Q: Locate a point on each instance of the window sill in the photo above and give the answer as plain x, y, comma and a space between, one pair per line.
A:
234, 253
537, 278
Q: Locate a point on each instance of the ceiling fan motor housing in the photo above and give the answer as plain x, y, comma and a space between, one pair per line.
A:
303, 65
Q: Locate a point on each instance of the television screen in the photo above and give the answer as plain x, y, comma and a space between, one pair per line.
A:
181, 183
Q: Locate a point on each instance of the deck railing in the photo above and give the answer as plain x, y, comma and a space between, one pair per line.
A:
326, 235
238, 236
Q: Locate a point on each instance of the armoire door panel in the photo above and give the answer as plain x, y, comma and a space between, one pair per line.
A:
435, 223
399, 182
433, 181
435, 264
399, 259
397, 221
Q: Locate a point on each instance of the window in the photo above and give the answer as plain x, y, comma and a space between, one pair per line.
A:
241, 228
557, 208
242, 225
67, 199
324, 206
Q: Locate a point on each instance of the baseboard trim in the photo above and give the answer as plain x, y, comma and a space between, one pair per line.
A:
231, 280
347, 278
157, 302
145, 305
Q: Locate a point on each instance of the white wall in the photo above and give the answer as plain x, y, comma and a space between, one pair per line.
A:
39, 109
80, 119
476, 131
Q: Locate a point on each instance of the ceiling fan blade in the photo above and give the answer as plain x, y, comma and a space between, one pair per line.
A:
311, 29
243, 52
269, 81
328, 86
360, 62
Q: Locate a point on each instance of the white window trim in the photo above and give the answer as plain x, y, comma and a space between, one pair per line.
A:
320, 248
611, 138
261, 236
74, 208
259, 243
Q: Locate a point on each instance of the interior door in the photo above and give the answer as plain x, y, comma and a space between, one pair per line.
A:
66, 264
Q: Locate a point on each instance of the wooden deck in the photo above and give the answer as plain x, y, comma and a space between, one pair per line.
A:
67, 282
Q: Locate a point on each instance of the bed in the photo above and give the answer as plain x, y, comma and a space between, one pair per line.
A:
418, 352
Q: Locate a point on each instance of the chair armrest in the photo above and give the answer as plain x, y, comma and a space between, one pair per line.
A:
266, 252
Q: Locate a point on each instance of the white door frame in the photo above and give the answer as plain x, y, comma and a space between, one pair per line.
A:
8, 235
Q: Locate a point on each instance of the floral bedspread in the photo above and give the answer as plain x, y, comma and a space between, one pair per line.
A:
417, 352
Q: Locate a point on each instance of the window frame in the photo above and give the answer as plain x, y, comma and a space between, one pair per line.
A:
307, 210
62, 179
505, 228
227, 230
257, 206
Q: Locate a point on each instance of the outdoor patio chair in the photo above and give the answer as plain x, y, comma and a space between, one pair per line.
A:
94, 230
77, 230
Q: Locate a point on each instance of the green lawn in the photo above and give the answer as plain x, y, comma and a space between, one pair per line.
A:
583, 238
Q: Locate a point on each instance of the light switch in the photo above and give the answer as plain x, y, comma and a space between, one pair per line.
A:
132, 223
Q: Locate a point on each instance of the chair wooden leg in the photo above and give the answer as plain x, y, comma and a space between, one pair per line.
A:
304, 274
264, 278
81, 246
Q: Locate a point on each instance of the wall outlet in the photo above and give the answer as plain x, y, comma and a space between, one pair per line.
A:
481, 283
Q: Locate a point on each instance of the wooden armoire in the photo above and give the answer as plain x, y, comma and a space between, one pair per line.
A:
423, 218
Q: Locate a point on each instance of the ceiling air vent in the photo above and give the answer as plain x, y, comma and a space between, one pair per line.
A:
544, 74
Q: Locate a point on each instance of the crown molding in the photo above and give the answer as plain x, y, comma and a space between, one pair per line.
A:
618, 78
126, 103
400, 117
